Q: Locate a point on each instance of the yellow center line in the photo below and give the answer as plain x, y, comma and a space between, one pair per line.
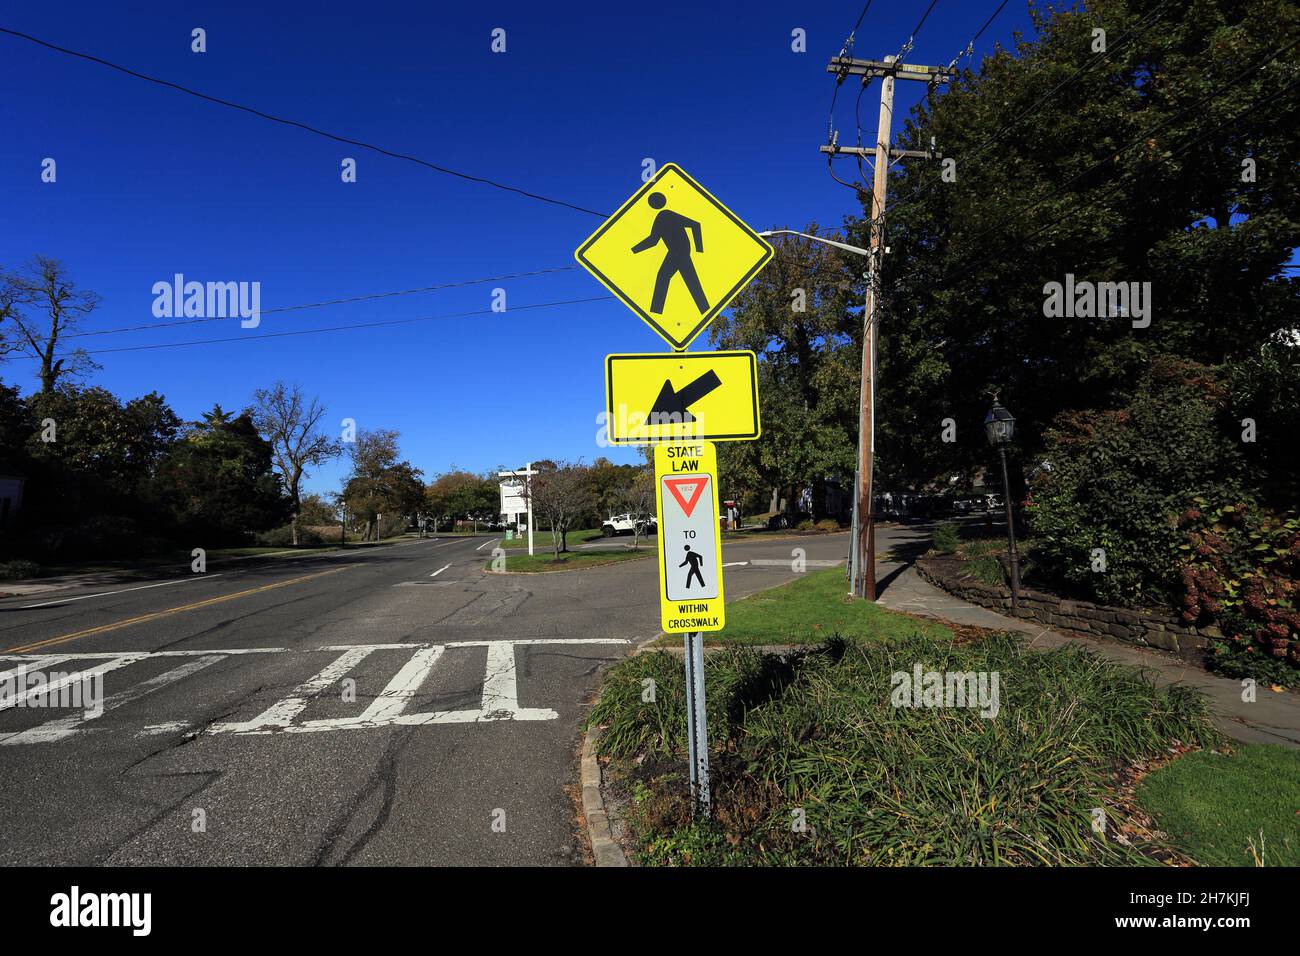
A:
155, 615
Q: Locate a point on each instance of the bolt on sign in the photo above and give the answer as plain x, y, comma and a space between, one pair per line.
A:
690, 538
674, 255
665, 396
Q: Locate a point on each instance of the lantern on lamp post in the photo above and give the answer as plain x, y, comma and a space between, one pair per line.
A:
999, 426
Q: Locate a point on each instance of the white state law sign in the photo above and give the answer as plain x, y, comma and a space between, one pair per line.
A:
690, 556
690, 539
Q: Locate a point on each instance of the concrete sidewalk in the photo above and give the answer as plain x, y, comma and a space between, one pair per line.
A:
1272, 718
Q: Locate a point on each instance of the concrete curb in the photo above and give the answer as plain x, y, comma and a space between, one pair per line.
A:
604, 849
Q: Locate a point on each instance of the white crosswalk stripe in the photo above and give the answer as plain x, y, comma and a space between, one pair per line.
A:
499, 700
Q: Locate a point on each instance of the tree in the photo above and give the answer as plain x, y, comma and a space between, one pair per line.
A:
94, 454
45, 306
219, 484
289, 421
11, 299
316, 510
1117, 480
560, 494
380, 482
461, 494
637, 498
607, 483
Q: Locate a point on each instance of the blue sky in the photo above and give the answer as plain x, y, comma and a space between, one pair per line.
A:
152, 182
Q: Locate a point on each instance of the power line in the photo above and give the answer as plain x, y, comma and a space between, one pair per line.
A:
989, 22
339, 328
969, 48
925, 16
303, 126
317, 305
861, 16
907, 47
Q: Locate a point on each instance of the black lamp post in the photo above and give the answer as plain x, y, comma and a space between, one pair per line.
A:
999, 425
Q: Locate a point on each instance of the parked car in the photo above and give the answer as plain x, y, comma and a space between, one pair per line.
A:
627, 524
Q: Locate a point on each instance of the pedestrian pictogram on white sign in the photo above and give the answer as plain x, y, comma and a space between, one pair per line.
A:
687, 534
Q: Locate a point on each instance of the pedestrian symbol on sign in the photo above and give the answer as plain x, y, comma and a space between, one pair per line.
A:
694, 559
671, 229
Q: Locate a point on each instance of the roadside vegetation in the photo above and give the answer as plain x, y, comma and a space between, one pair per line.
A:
814, 765
816, 761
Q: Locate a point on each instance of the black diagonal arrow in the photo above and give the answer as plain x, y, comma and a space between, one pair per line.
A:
672, 405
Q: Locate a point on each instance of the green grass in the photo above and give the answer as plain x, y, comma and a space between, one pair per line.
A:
1236, 809
879, 784
810, 609
570, 561
542, 540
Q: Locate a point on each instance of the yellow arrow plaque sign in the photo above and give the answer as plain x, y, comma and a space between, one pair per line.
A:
662, 396
674, 255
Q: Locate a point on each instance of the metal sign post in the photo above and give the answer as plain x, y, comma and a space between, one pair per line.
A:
697, 725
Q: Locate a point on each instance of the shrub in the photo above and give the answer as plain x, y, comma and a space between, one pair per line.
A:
282, 537
1118, 480
986, 568
18, 570
806, 525
829, 525
945, 537
1242, 572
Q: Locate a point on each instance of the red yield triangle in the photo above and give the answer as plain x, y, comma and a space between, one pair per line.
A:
695, 489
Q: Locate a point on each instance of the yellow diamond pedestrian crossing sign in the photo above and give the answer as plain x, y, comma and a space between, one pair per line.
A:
674, 255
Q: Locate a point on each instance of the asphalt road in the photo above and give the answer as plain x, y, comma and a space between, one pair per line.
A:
382, 706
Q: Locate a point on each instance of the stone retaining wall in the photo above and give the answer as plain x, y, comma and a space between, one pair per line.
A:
1163, 629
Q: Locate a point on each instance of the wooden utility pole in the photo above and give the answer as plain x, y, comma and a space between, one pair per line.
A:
888, 69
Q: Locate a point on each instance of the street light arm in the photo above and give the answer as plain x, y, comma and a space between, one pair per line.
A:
829, 242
